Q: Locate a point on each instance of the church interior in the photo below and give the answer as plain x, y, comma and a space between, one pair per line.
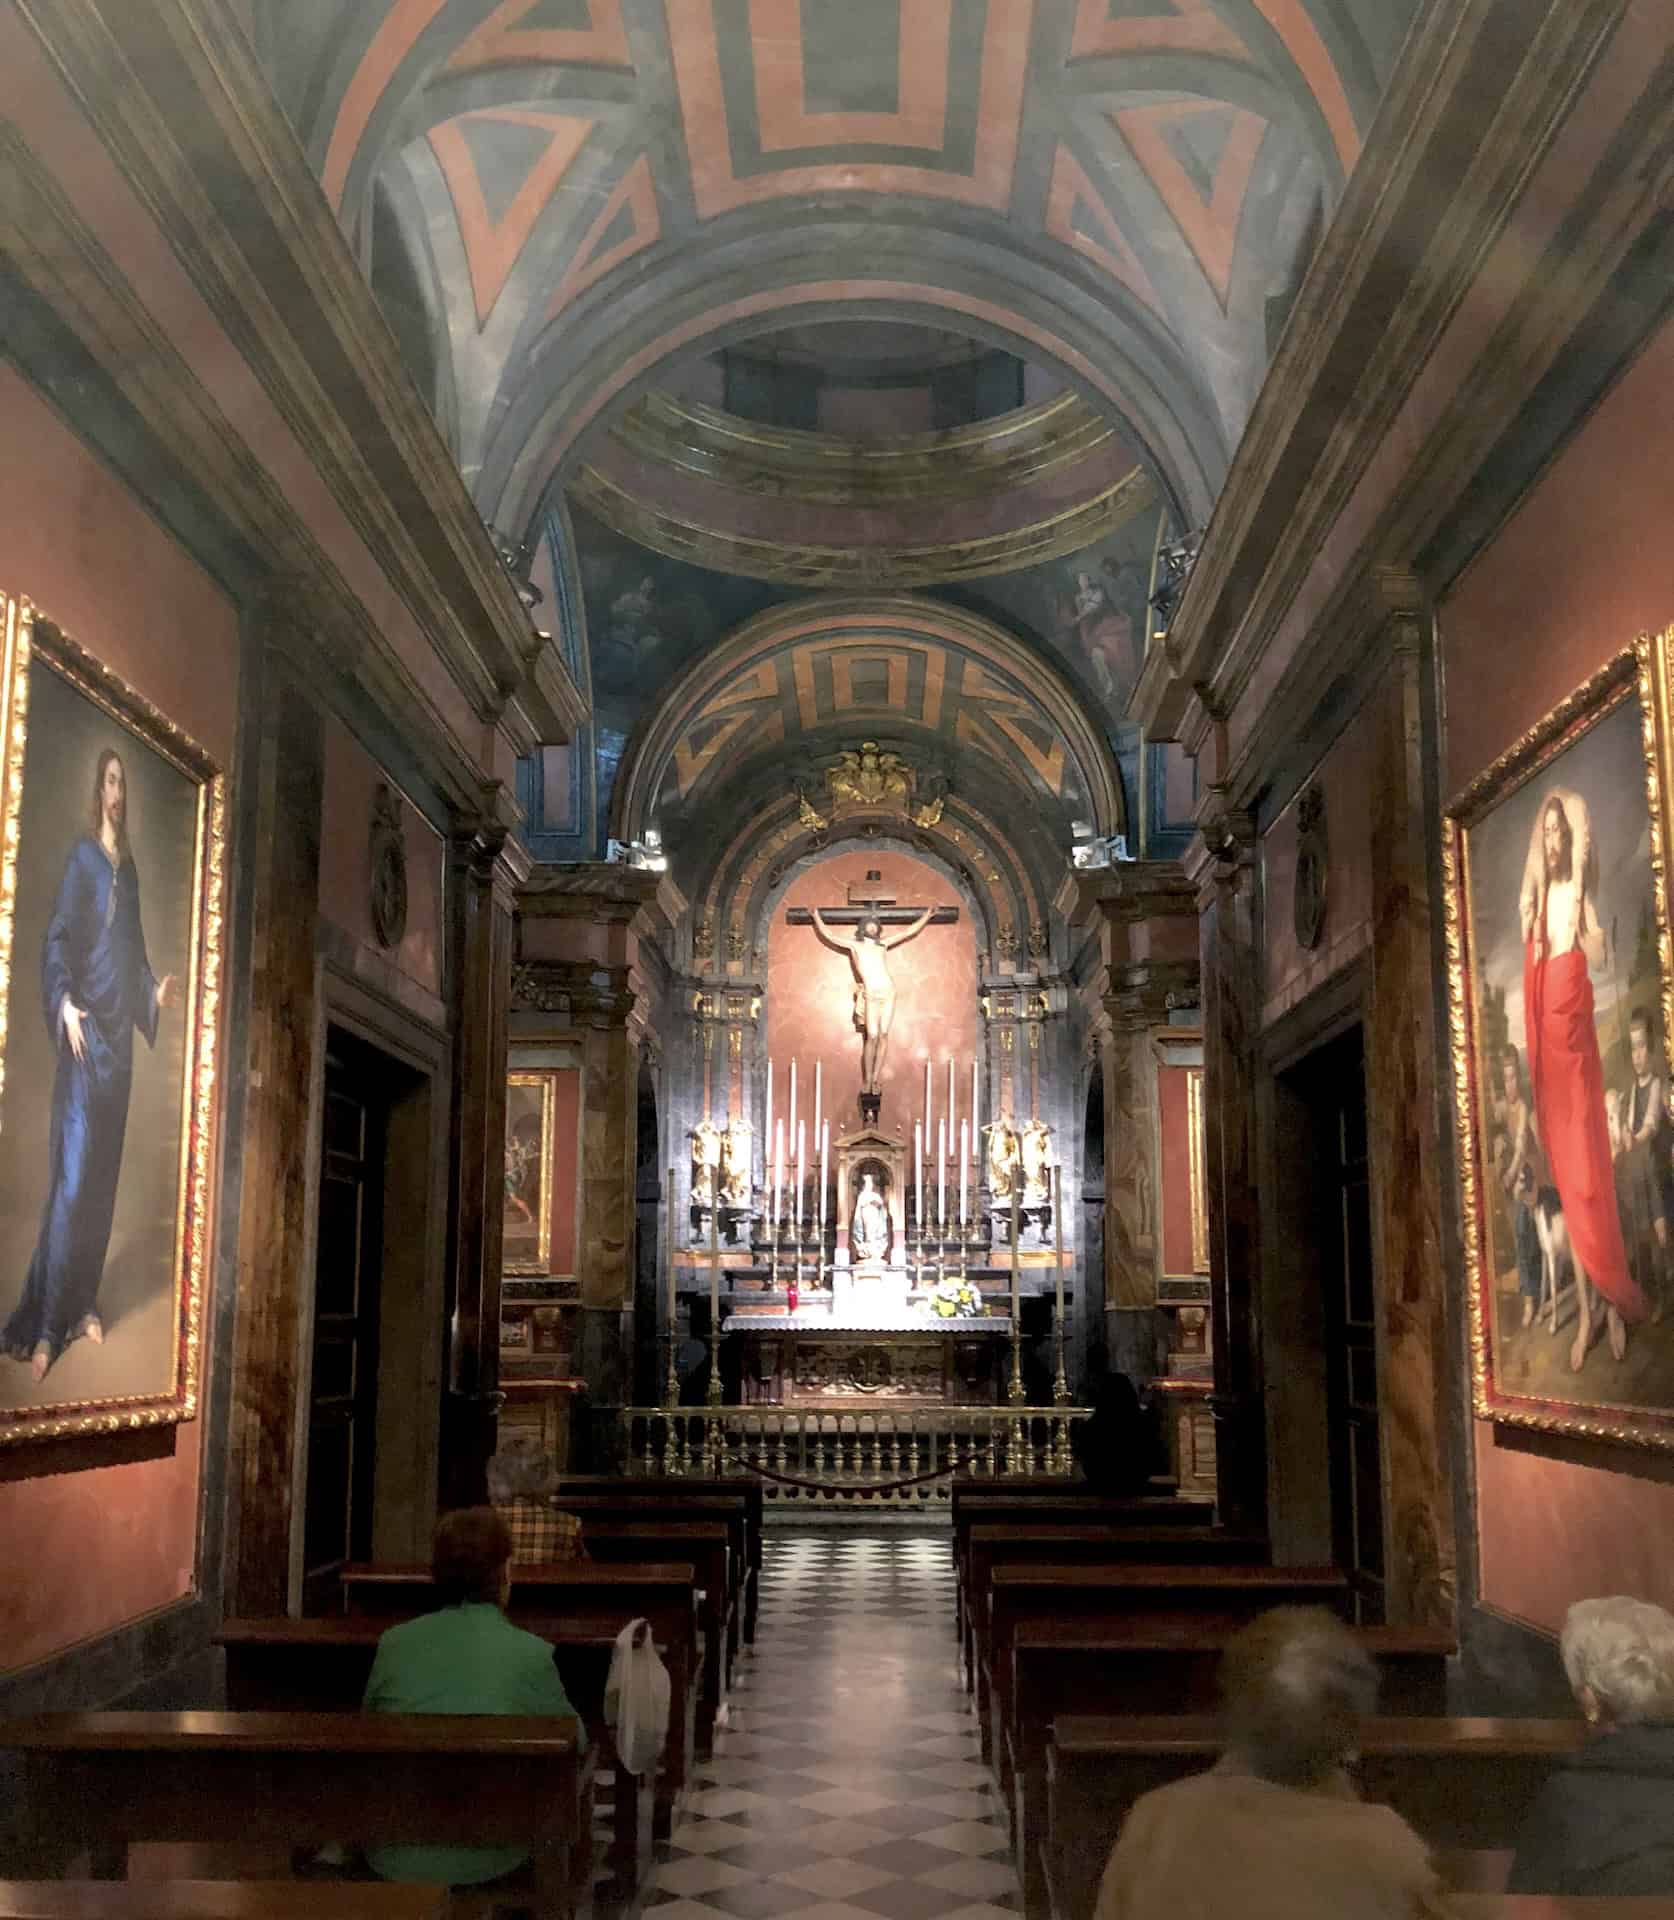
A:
878, 723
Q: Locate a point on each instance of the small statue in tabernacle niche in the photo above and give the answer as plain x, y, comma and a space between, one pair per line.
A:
706, 1162
735, 1164
869, 1231
1003, 1153
1037, 1158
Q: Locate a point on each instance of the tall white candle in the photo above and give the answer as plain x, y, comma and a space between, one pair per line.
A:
778, 1176
767, 1120
1058, 1234
673, 1294
825, 1161
918, 1169
801, 1164
952, 1103
941, 1172
963, 1128
976, 1138
790, 1125
929, 1104
819, 1096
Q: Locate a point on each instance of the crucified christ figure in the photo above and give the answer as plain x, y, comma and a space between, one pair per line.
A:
874, 991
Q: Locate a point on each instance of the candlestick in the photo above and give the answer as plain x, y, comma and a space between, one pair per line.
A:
671, 1385
1060, 1386
1014, 1392
714, 1307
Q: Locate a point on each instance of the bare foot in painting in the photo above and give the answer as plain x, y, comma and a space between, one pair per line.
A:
1528, 1310
39, 1361
1618, 1333
1577, 1353
94, 1328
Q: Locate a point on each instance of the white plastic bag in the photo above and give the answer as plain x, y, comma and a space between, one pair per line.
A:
636, 1698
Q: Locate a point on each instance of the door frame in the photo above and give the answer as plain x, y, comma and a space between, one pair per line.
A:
424, 1053
1290, 1318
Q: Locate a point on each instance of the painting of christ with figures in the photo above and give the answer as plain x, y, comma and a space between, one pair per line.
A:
1560, 1003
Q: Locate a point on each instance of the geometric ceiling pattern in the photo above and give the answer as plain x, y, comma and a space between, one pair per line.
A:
576, 192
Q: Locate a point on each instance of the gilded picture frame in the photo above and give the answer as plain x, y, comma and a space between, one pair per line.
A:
1560, 1009
108, 1107
531, 1119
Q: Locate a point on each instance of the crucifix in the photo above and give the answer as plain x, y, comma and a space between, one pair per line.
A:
870, 911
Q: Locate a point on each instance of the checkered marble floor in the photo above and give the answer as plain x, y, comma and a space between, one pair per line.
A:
847, 1783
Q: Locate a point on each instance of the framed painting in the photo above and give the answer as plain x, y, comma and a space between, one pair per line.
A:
531, 1104
112, 839
1559, 992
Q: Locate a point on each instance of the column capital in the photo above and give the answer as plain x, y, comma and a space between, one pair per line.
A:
1222, 856
583, 992
1144, 994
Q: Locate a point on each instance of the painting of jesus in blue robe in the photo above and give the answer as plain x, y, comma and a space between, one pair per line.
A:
97, 991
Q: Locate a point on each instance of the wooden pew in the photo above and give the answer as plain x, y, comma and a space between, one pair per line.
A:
671, 1492
593, 1509
1074, 1543
1098, 1666
662, 1594
281, 1665
110, 1780
1150, 1595
219, 1900
1462, 1784
704, 1543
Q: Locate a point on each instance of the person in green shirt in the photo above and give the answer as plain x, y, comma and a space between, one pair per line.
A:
466, 1657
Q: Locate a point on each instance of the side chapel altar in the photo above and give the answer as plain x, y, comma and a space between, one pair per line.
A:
854, 1264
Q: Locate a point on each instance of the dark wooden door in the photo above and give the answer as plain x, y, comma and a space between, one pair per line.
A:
1351, 1329
343, 1399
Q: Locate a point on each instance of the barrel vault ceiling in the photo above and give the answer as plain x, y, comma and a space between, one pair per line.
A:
561, 203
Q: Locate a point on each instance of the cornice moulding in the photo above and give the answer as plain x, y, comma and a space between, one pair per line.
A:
1371, 312
177, 99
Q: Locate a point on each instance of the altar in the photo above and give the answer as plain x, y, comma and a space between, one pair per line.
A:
812, 1359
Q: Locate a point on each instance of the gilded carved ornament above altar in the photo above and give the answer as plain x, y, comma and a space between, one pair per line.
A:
870, 778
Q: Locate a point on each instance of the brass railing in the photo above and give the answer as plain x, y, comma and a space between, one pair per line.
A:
894, 1457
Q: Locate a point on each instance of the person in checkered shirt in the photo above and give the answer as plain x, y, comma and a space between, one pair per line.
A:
523, 1487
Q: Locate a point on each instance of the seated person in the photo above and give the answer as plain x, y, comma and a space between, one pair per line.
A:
1275, 1828
466, 1657
522, 1486
1604, 1821
1112, 1446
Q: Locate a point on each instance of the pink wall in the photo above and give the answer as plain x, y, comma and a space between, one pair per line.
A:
351, 780
90, 1550
810, 995
1584, 566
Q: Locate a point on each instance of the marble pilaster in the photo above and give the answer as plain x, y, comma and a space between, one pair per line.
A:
485, 864
1406, 1132
1220, 865
274, 1254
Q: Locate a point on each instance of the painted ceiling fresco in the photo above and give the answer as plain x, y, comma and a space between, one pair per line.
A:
1122, 190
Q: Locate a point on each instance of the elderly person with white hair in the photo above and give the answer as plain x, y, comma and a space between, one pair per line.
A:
1274, 1831
523, 1490
1604, 1822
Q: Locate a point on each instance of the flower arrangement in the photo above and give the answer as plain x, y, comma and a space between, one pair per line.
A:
955, 1299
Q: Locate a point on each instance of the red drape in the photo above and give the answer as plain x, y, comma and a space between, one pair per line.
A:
1568, 1083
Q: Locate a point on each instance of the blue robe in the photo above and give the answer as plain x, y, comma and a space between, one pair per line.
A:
94, 958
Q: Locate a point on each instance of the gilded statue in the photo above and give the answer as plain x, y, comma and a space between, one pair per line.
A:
1003, 1156
706, 1161
870, 777
735, 1164
869, 1225
1036, 1156
808, 815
